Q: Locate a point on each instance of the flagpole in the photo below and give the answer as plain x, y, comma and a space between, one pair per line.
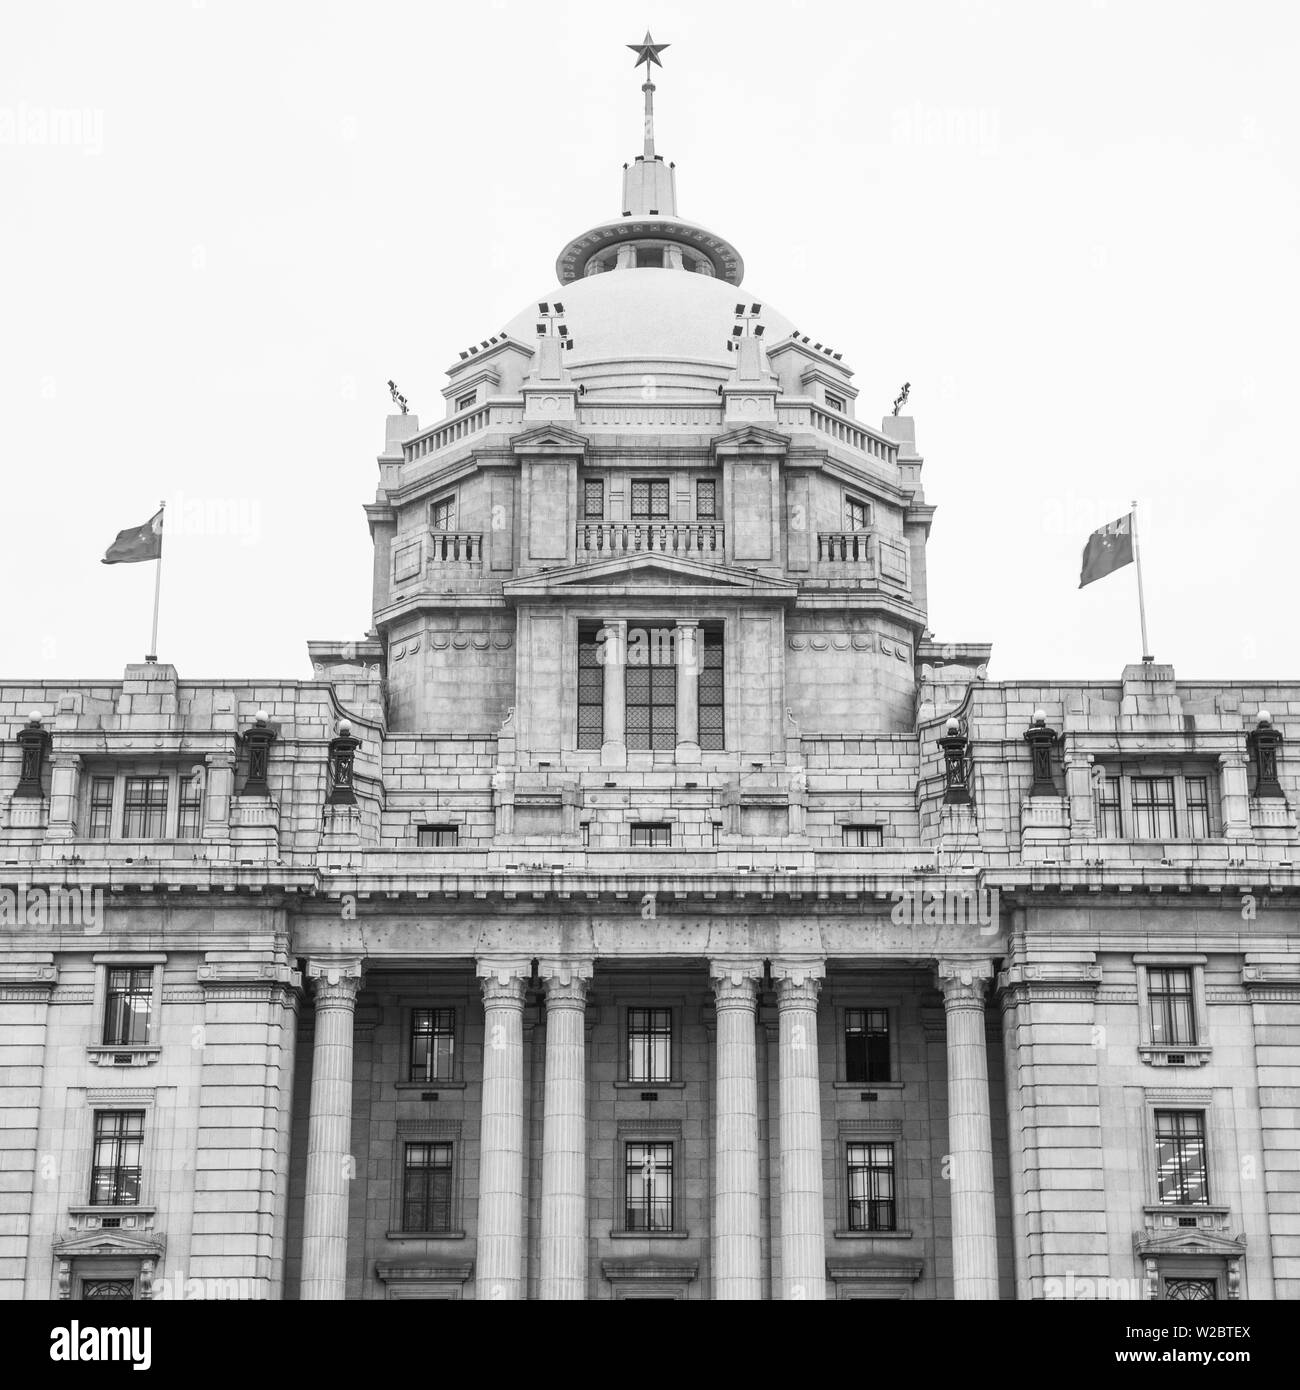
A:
1142, 607
152, 655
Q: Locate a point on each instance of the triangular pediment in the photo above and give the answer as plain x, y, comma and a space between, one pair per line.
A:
549, 439
109, 1244
651, 573
751, 439
1189, 1242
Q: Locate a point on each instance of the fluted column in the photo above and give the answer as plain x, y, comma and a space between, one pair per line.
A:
499, 1260
564, 1132
803, 1207
689, 656
737, 1264
613, 658
970, 1141
330, 1165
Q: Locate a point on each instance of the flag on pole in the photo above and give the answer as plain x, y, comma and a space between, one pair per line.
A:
137, 543
1108, 549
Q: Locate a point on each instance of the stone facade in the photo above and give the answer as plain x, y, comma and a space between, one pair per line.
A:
649, 905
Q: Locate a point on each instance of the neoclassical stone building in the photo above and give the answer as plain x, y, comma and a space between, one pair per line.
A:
648, 906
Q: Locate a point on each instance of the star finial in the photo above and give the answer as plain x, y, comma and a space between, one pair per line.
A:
648, 52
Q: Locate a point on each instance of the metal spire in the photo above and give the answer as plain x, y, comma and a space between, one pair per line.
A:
648, 52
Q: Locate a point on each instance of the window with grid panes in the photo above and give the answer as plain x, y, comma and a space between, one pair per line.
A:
189, 809
591, 690
649, 499
649, 1044
871, 1187
712, 715
426, 1187
442, 514
1110, 818
437, 836
648, 1177
115, 1166
864, 836
101, 808
144, 808
651, 836
1198, 807
128, 1005
706, 499
866, 1045
857, 514
1173, 1012
651, 695
433, 1044
1181, 1175
593, 499
1153, 808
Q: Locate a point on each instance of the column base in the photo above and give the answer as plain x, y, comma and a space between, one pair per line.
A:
613, 755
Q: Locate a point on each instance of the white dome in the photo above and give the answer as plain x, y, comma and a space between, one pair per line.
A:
650, 315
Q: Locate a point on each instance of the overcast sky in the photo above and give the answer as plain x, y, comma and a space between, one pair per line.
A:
1072, 227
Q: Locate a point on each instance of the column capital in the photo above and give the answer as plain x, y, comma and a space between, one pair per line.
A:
335, 982
799, 972
566, 994
564, 970
503, 981
735, 982
1233, 758
62, 758
964, 982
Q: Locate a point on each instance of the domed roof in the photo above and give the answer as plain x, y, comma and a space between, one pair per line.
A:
649, 315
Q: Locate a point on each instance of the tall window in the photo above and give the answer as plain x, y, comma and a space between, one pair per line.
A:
115, 1169
871, 1187
189, 810
101, 808
1153, 808
593, 499
426, 1188
649, 499
144, 808
1180, 1157
857, 514
1173, 1016
433, 1044
652, 701
706, 499
712, 711
649, 1186
442, 514
866, 1045
591, 691
649, 1045
1110, 820
128, 1006
1198, 808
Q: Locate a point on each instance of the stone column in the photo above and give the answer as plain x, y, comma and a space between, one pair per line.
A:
803, 1207
65, 774
613, 655
970, 1141
499, 1262
329, 1138
1234, 796
1079, 793
687, 653
218, 792
564, 1132
737, 1263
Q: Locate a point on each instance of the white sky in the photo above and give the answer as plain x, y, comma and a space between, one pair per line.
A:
1072, 227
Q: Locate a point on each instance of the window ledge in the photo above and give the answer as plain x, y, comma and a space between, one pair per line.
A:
649, 1235
872, 1235
136, 1056
1157, 1055
649, 1085
129, 1218
429, 1085
424, 1235
868, 1085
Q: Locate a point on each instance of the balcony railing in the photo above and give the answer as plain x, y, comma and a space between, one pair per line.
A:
697, 540
455, 547
845, 547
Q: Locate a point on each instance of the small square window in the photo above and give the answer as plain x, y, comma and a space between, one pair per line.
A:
834, 402
871, 1187
652, 836
706, 499
1181, 1175
649, 499
128, 1006
593, 499
442, 514
464, 402
857, 514
864, 836
648, 1186
866, 1045
650, 258
427, 1188
437, 836
115, 1166
649, 1045
433, 1045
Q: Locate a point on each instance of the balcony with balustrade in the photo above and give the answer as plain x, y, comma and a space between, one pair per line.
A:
690, 540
